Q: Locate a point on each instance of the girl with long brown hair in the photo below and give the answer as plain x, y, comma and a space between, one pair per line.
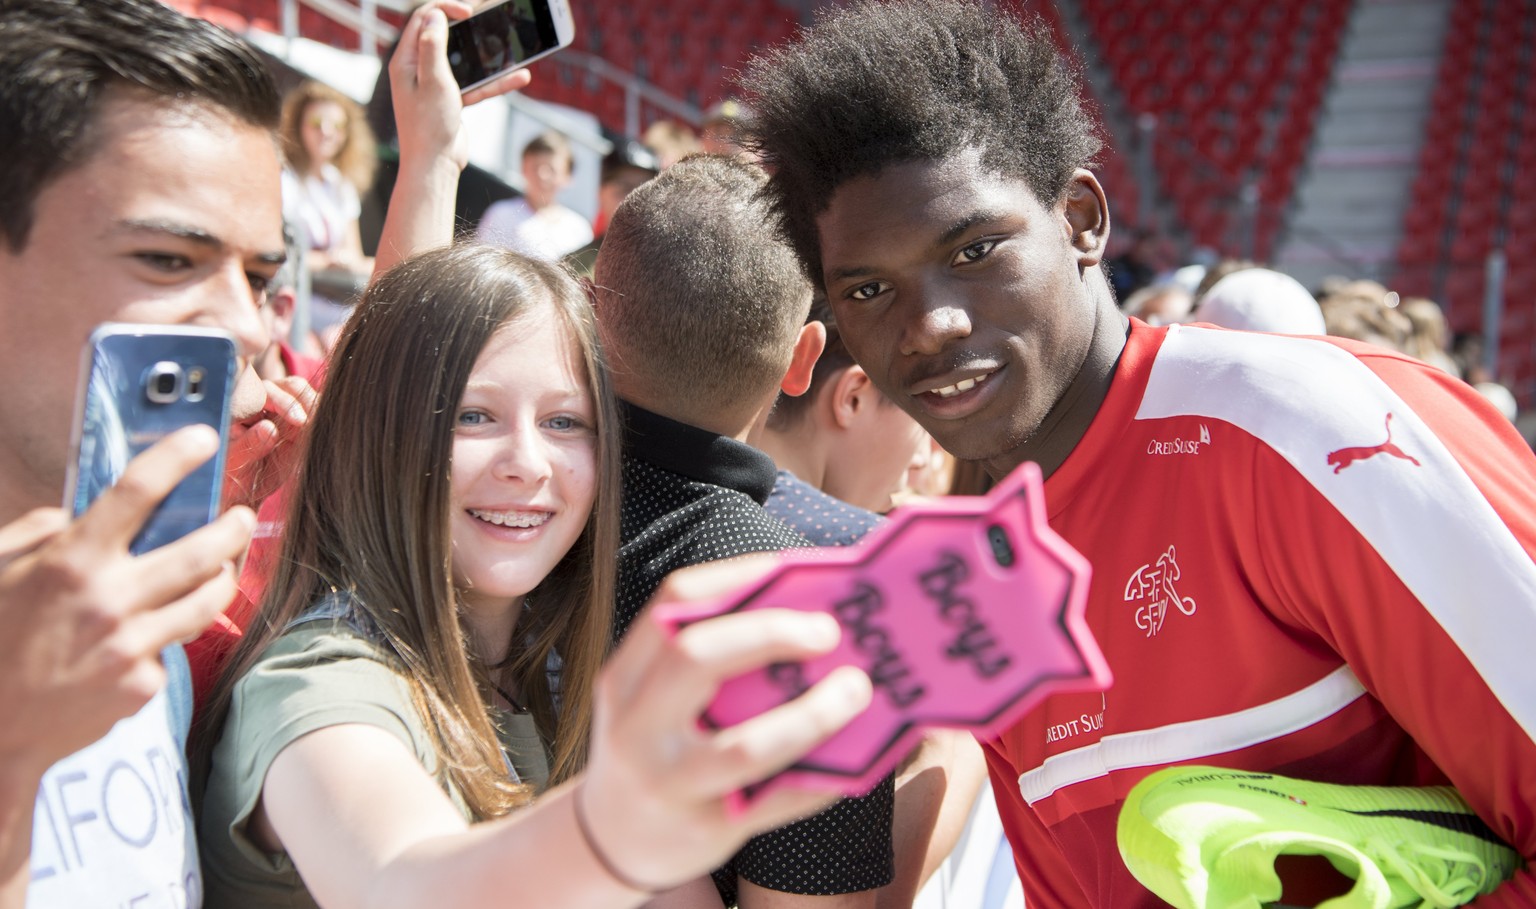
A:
441, 556
427, 656
408, 722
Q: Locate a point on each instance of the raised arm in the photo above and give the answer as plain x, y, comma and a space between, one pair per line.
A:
935, 788
433, 149
366, 825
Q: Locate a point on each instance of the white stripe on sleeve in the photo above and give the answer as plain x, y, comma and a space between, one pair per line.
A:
1431, 524
1194, 739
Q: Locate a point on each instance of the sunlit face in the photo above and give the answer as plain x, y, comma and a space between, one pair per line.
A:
545, 174
323, 130
524, 473
175, 219
960, 294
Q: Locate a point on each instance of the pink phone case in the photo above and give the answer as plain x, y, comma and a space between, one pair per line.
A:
965, 612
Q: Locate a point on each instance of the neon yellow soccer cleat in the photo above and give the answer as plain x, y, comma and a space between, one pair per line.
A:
1207, 838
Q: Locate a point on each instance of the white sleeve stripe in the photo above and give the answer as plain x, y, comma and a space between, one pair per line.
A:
1306, 398
1194, 739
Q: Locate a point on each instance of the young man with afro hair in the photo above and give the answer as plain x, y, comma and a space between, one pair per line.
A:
1274, 589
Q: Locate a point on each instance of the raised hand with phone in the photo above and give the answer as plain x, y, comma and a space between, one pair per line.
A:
428, 106
505, 36
87, 619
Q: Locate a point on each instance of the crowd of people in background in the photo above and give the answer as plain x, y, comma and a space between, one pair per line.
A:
417, 660
328, 149
1241, 294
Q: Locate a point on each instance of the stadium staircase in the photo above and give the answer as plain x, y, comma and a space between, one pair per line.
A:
1358, 176
1473, 209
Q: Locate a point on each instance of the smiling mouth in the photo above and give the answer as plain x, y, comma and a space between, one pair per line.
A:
960, 387
511, 518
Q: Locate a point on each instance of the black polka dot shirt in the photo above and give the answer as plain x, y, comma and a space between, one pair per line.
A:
690, 497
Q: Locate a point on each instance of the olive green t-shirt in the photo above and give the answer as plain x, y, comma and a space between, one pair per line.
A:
320, 673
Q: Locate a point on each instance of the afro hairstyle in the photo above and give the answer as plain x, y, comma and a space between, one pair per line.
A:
874, 84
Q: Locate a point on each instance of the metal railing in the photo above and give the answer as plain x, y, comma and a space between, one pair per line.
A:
361, 16
635, 89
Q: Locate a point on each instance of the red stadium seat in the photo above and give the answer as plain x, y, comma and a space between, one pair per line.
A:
225, 17
1221, 100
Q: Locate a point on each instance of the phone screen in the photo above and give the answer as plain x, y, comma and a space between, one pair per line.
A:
498, 39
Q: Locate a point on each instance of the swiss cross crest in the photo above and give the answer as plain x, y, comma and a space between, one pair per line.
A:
1151, 588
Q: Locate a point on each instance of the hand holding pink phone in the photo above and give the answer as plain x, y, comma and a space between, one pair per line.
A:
964, 612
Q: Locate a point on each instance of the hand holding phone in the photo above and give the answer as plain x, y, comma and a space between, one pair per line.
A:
964, 613
428, 107
88, 603
656, 782
86, 621
139, 383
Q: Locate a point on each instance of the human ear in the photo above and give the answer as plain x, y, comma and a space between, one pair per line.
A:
850, 395
797, 378
1086, 213
283, 303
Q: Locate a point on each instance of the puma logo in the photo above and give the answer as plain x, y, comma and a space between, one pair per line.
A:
1346, 456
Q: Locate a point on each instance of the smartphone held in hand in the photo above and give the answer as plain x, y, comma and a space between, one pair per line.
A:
507, 36
965, 612
138, 384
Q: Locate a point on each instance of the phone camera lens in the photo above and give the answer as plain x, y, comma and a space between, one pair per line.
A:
197, 383
164, 382
1002, 550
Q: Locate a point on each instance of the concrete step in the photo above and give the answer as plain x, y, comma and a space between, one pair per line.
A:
1355, 226
1397, 29
1351, 188
1371, 129
1385, 95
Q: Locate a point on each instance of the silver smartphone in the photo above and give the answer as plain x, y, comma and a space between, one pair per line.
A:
506, 36
139, 383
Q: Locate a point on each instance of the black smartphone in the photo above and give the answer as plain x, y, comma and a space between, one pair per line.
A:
138, 384
507, 36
